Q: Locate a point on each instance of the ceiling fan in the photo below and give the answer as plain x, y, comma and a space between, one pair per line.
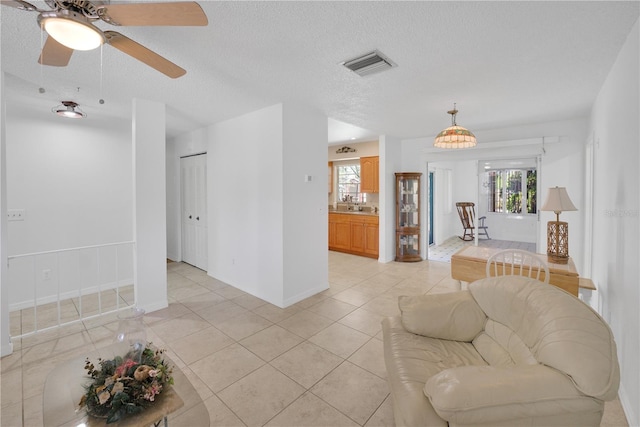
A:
69, 25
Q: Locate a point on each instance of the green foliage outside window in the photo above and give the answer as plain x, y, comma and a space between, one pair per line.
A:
505, 190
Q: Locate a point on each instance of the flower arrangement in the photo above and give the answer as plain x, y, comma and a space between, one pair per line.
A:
125, 385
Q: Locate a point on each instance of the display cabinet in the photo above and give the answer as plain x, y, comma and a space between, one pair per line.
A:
408, 216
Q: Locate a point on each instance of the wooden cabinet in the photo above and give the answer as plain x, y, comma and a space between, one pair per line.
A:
371, 237
330, 177
370, 174
339, 232
408, 216
354, 233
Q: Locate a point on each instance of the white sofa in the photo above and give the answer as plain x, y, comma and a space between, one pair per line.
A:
508, 351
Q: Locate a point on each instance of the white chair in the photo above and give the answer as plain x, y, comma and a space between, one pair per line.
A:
516, 262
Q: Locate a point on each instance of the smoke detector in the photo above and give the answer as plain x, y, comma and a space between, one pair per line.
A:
372, 62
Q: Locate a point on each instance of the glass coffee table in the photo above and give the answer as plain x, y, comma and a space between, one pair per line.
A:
180, 405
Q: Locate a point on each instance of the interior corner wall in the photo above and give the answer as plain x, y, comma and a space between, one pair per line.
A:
305, 216
616, 230
390, 154
245, 199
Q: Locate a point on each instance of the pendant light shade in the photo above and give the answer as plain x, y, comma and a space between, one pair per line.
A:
69, 109
455, 136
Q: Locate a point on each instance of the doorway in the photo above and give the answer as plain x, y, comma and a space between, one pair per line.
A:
431, 208
193, 200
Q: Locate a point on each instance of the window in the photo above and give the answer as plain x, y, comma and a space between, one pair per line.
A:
349, 183
512, 191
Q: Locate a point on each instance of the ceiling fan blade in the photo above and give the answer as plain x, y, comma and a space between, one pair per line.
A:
145, 14
55, 54
141, 53
20, 4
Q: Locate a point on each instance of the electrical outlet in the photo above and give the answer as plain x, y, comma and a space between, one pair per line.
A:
46, 274
15, 214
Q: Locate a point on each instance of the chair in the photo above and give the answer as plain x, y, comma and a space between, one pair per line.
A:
516, 262
467, 212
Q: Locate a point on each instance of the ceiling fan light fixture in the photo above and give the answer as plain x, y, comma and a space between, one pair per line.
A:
71, 29
455, 136
69, 109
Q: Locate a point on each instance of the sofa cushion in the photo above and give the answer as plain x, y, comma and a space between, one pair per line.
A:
486, 395
411, 360
451, 316
559, 329
500, 346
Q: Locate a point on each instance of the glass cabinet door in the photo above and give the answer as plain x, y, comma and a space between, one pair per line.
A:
408, 216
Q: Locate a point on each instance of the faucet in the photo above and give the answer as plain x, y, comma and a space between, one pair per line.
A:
348, 200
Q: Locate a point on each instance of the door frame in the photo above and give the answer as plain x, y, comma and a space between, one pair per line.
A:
181, 198
430, 206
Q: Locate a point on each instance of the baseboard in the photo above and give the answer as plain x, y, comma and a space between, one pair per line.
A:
6, 349
297, 298
159, 305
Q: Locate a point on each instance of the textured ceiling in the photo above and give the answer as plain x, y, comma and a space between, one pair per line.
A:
503, 63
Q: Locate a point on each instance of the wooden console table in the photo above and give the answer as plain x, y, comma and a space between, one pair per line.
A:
469, 264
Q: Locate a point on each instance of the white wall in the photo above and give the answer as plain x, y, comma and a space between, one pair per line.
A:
390, 153
306, 259
74, 182
616, 249
267, 226
149, 207
245, 202
5, 339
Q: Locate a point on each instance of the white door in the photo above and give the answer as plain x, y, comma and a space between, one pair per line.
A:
193, 186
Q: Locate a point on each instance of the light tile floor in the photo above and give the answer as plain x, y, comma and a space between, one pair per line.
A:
317, 363
453, 244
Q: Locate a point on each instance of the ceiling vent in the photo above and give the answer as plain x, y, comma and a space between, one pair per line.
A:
372, 62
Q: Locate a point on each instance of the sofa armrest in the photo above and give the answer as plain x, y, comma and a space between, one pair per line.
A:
487, 394
451, 316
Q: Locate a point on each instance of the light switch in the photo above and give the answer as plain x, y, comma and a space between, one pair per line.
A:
15, 214
307, 178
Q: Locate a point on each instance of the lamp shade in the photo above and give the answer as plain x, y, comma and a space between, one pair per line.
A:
455, 136
558, 201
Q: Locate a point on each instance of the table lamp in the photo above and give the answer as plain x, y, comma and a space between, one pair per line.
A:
558, 231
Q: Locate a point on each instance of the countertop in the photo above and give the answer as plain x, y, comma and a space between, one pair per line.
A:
367, 213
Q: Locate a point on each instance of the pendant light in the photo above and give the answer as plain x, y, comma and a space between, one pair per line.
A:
455, 136
69, 109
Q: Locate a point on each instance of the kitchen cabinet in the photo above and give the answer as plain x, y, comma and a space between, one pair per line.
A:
330, 177
408, 217
370, 174
354, 233
339, 232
